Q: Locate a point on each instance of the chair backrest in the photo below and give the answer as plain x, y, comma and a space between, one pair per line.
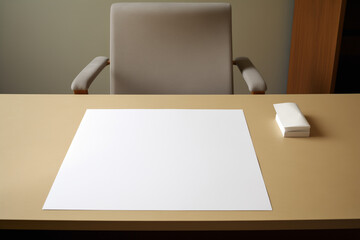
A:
171, 48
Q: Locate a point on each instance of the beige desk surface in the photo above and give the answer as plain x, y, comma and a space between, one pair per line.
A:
312, 182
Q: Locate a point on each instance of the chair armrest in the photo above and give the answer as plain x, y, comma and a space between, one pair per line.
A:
252, 77
84, 79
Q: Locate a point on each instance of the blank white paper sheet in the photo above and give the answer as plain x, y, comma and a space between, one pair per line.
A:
160, 159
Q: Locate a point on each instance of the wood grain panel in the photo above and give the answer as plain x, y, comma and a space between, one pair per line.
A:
315, 43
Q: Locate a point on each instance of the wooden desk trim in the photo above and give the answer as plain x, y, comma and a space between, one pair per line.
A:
179, 225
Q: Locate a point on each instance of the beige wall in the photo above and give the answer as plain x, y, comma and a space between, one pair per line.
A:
45, 43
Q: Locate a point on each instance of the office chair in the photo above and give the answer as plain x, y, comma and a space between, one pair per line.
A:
170, 48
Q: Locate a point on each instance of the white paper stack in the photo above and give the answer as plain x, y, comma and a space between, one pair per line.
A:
160, 159
291, 121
